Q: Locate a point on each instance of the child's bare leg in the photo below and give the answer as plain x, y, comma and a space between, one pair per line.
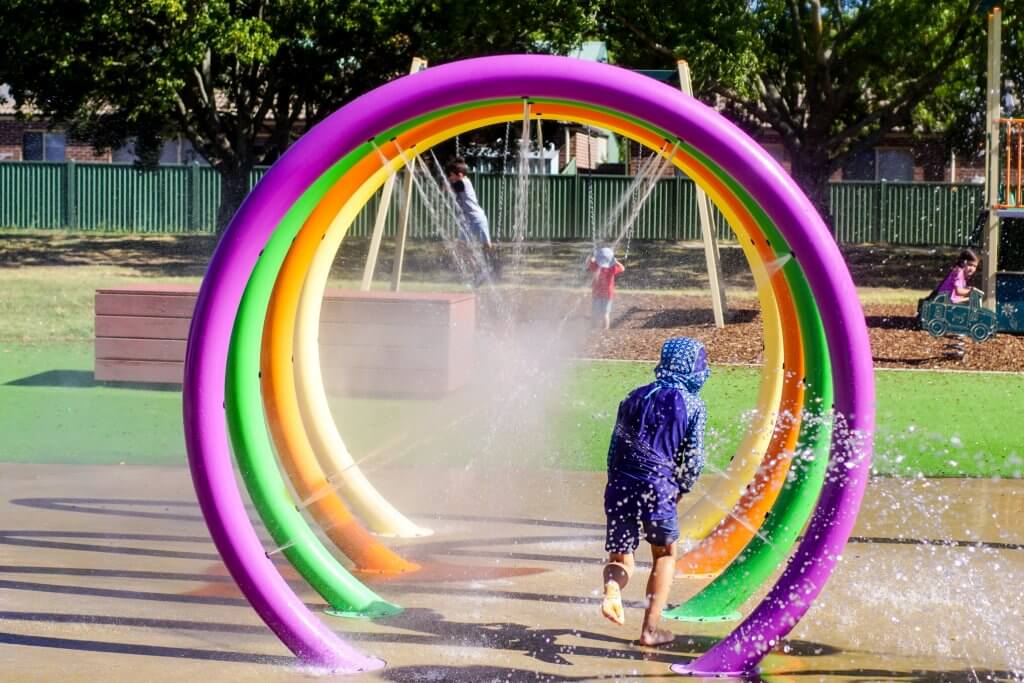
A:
616, 575
658, 586
607, 321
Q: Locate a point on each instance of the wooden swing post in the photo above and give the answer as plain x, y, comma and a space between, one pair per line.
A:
370, 266
711, 254
990, 236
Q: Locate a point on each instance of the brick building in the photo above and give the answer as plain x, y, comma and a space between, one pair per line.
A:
33, 139
30, 138
898, 158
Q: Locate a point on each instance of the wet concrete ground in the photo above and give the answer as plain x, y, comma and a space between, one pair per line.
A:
107, 573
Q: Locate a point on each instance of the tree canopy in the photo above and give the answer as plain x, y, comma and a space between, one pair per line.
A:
960, 108
241, 79
830, 78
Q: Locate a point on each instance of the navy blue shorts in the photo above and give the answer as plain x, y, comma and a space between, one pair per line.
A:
623, 532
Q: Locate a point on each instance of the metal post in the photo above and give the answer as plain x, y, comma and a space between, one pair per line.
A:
540, 145
990, 236
711, 255
70, 195
193, 197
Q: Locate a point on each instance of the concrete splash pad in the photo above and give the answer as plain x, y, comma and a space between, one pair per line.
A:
100, 585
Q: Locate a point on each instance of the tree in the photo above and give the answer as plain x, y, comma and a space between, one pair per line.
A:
240, 79
962, 114
830, 78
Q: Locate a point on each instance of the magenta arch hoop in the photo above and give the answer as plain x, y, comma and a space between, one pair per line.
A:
628, 94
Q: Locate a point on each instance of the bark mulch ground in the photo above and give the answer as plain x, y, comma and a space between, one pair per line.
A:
642, 321
643, 317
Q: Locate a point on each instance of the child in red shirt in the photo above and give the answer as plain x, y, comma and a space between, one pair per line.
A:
605, 268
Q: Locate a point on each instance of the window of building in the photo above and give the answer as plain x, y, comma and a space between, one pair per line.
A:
173, 151
43, 146
860, 166
895, 164
125, 154
191, 155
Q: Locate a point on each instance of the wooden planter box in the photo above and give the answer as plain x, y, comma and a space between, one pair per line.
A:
416, 344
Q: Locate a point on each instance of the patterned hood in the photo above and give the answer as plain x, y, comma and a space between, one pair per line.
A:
684, 365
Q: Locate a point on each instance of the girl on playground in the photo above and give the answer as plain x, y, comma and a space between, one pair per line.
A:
656, 454
955, 283
605, 268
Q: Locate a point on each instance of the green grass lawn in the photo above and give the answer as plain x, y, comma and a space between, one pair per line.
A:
938, 424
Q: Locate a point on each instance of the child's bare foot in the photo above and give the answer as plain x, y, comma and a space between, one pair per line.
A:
611, 606
656, 637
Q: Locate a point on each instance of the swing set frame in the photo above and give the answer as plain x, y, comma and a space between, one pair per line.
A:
712, 255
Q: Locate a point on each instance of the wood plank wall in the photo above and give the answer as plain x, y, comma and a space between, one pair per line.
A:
415, 344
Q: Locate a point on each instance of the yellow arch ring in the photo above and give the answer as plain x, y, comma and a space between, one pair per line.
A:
326, 441
698, 520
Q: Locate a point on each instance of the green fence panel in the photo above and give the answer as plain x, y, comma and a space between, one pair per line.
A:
553, 211
32, 194
144, 200
208, 200
688, 215
928, 213
855, 211
687, 220
570, 207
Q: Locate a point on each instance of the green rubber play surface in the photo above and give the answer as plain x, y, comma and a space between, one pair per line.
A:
933, 423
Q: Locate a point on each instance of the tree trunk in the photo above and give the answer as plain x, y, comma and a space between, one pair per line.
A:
811, 172
234, 187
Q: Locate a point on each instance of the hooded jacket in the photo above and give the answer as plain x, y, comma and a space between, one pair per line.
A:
657, 445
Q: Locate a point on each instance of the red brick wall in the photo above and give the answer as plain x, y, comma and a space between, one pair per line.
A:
969, 169
10, 140
12, 130
969, 174
80, 151
585, 159
634, 161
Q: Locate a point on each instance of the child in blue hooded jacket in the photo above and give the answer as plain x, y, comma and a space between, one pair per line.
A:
656, 454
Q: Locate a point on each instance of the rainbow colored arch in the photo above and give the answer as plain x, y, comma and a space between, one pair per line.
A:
258, 309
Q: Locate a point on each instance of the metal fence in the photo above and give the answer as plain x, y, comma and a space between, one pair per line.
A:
184, 199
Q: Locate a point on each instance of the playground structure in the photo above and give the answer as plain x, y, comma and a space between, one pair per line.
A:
712, 256
252, 361
997, 232
1004, 152
1006, 245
